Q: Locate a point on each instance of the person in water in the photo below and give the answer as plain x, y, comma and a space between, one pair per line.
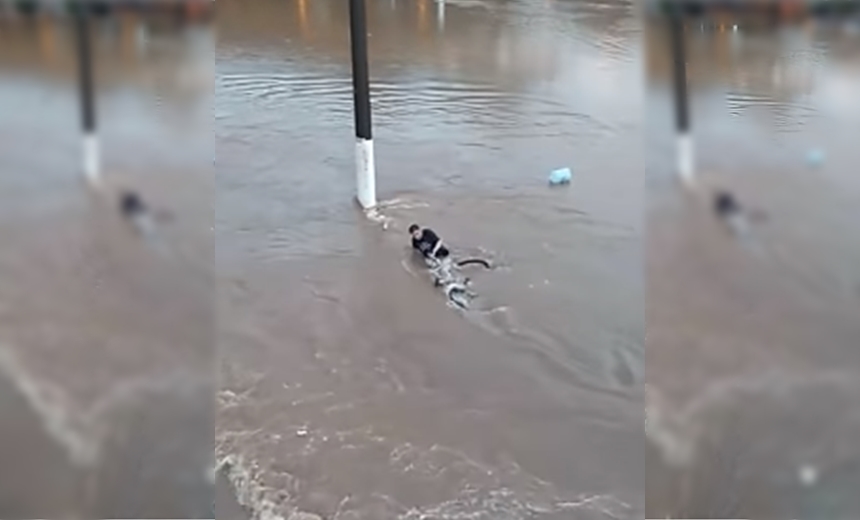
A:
428, 243
134, 209
438, 258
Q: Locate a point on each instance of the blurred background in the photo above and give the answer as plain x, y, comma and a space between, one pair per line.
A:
106, 321
752, 349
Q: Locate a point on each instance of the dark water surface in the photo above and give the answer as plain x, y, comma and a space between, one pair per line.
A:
349, 389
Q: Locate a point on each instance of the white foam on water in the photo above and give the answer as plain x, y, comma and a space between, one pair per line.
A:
677, 432
398, 203
81, 431
375, 215
483, 492
765, 431
55, 411
260, 501
505, 504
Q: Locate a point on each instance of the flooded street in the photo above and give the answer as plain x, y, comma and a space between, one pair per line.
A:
349, 389
105, 346
753, 355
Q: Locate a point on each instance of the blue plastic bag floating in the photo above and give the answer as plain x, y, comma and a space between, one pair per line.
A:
560, 176
815, 157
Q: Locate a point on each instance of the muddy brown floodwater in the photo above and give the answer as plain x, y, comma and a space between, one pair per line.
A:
349, 390
753, 357
106, 344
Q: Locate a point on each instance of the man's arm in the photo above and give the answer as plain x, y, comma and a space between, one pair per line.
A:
431, 237
437, 246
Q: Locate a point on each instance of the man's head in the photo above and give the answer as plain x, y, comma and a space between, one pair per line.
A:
725, 204
415, 231
130, 204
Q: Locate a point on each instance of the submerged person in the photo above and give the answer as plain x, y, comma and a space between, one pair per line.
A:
738, 220
727, 209
133, 208
438, 258
428, 243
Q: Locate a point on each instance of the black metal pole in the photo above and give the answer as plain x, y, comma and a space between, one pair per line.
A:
686, 159
88, 109
679, 62
360, 73
85, 70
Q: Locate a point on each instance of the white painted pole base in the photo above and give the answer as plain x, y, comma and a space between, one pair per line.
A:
365, 173
91, 159
440, 13
686, 159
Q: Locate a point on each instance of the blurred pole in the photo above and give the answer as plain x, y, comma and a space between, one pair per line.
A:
88, 112
686, 162
440, 14
365, 167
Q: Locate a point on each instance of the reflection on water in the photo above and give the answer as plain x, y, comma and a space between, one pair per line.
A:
753, 359
152, 101
350, 390
107, 347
